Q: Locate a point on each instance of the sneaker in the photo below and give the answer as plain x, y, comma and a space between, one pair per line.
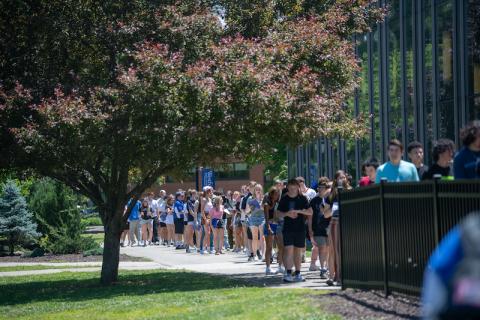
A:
313, 268
250, 258
330, 283
268, 271
255, 258
259, 255
287, 278
323, 274
280, 270
187, 250
202, 252
298, 278
122, 244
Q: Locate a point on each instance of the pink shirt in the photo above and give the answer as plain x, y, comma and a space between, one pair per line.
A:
216, 213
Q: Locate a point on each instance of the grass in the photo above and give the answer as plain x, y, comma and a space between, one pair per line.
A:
158, 294
98, 237
42, 267
92, 220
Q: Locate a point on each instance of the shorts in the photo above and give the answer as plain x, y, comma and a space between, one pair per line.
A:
215, 223
273, 226
296, 239
169, 219
250, 236
148, 221
179, 226
280, 227
163, 224
321, 240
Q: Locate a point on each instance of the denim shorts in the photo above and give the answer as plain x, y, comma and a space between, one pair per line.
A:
273, 226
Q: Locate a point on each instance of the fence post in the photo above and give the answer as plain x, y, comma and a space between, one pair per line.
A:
384, 237
436, 221
340, 190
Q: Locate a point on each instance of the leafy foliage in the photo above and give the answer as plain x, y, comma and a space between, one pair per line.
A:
58, 218
16, 221
123, 92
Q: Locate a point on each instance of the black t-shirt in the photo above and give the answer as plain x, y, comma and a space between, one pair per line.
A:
271, 211
436, 169
319, 222
421, 171
145, 212
286, 204
244, 201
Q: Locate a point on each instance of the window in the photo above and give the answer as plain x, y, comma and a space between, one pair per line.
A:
232, 171
473, 51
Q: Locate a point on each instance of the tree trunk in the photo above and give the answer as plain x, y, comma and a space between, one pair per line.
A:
111, 250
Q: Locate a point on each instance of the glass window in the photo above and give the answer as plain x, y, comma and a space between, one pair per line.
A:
394, 70
428, 71
445, 69
232, 171
473, 50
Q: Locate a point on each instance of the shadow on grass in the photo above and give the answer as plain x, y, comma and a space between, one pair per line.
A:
86, 286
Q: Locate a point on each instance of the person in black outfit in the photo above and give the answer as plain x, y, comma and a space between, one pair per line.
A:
294, 207
318, 225
442, 153
416, 155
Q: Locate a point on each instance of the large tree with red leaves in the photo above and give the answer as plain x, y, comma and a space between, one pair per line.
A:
119, 94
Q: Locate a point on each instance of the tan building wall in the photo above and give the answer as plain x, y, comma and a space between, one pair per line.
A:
256, 173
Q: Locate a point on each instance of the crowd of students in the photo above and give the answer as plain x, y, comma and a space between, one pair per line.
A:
276, 225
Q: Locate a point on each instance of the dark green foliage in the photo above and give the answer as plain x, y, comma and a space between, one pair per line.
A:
16, 221
55, 208
37, 252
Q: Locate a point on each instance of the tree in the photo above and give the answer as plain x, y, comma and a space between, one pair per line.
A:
16, 221
175, 90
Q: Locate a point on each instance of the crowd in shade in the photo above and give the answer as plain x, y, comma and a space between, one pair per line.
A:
275, 225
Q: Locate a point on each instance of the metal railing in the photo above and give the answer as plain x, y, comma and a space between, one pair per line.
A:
389, 230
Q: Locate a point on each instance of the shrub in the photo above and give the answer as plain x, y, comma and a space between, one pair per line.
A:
58, 217
37, 252
16, 221
91, 220
93, 252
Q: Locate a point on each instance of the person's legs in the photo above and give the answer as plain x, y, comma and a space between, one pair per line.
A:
280, 250
150, 230
225, 235
331, 252
144, 233
288, 260
132, 232
246, 241
171, 233
297, 257
155, 237
313, 259
338, 269
268, 250
206, 239
254, 230
220, 238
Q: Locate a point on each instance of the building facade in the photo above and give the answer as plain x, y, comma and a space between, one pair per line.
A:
229, 176
420, 80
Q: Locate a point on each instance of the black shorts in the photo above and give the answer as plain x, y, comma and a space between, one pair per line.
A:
250, 236
178, 226
163, 225
296, 239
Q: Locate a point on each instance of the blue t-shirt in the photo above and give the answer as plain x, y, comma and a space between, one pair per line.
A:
405, 171
180, 208
466, 164
135, 210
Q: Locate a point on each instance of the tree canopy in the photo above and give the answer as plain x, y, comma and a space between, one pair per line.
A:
94, 91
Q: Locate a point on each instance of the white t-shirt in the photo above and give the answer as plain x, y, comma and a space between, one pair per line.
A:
310, 194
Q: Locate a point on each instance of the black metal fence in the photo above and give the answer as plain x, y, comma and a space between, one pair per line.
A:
389, 230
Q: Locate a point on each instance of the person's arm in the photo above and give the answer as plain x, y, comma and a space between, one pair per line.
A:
202, 205
310, 227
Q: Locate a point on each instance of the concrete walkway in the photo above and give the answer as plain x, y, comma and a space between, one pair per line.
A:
230, 264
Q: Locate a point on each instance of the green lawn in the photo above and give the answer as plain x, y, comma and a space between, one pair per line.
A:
40, 267
151, 295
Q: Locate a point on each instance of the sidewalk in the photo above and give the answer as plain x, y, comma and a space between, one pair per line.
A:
229, 264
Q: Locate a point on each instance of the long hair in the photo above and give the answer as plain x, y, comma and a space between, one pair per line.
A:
346, 184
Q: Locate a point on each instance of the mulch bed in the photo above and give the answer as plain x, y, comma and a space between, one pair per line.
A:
66, 258
358, 304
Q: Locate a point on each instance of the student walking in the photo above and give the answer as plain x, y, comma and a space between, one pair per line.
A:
270, 202
255, 221
216, 212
